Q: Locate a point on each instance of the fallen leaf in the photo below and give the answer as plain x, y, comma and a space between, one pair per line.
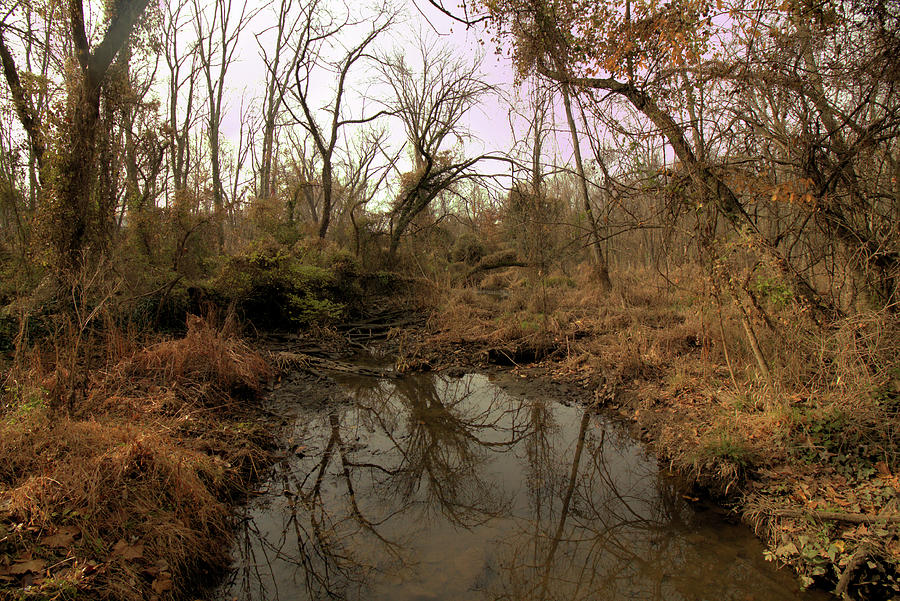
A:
23, 567
162, 584
128, 552
64, 537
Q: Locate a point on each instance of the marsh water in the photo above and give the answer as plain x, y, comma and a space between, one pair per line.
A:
444, 488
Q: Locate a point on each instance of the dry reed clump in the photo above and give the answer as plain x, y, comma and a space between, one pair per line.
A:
101, 483
204, 355
126, 496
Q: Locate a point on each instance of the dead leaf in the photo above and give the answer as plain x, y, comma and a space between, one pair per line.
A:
162, 584
128, 552
160, 567
23, 567
883, 470
64, 537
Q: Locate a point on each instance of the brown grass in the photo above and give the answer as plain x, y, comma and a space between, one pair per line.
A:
137, 478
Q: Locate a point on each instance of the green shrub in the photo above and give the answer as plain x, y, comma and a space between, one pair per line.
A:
277, 287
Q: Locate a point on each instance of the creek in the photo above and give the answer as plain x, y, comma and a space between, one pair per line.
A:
472, 487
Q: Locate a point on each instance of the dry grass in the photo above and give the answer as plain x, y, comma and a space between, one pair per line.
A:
126, 497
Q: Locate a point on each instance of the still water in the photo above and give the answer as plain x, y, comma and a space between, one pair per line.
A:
451, 488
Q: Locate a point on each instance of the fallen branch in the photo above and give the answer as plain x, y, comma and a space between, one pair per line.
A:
841, 589
488, 267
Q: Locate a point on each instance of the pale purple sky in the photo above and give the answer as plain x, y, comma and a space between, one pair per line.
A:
489, 123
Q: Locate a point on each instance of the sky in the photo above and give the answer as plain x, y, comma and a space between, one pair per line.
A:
488, 123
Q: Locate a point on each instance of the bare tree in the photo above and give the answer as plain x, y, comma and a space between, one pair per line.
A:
311, 55
181, 60
218, 35
431, 102
278, 71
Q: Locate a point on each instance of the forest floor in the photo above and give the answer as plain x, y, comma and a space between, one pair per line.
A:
816, 477
121, 485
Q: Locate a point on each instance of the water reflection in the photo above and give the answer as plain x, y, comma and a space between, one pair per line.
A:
430, 488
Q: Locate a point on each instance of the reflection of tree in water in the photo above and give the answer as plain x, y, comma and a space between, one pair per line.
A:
324, 543
423, 443
443, 439
402, 461
612, 528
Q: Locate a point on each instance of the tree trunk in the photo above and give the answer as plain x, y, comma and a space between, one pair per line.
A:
72, 213
74, 181
216, 173
326, 197
602, 268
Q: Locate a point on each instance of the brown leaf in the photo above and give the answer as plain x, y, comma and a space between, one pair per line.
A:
64, 537
128, 552
23, 567
883, 470
159, 568
162, 584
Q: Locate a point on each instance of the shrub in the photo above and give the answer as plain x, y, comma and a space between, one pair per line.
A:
468, 248
274, 286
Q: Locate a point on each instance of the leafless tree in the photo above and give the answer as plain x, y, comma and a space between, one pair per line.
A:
218, 30
430, 100
182, 62
276, 58
316, 50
